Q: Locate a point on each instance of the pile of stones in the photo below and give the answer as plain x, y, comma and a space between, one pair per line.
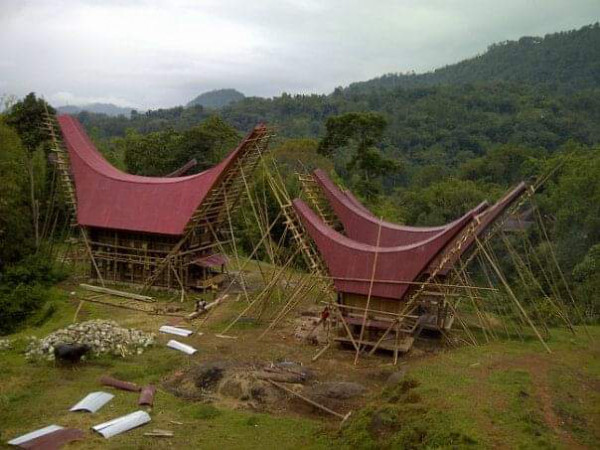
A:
105, 337
5, 344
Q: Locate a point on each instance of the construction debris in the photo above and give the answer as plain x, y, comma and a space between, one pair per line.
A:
159, 433
181, 347
147, 395
103, 336
35, 434
123, 385
122, 424
93, 402
50, 437
103, 290
175, 330
203, 307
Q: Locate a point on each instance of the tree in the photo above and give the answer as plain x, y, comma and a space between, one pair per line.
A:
356, 134
27, 118
162, 152
15, 215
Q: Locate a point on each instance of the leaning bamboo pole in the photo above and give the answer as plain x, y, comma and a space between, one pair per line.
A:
562, 275
373, 270
512, 294
260, 295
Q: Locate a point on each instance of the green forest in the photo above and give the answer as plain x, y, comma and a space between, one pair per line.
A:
418, 149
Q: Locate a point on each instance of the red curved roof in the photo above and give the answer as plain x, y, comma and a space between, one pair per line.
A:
110, 198
350, 263
484, 220
362, 226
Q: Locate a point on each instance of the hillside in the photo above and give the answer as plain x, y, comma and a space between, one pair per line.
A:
548, 86
217, 99
569, 60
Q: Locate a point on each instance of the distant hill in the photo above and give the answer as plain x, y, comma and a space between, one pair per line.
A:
569, 60
99, 108
217, 99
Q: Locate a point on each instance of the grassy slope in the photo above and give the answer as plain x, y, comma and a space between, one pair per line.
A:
502, 395
508, 395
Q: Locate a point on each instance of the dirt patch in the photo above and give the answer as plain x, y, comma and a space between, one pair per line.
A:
250, 386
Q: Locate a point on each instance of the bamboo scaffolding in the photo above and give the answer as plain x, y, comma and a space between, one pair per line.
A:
512, 294
562, 276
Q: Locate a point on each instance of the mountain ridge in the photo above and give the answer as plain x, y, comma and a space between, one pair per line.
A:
217, 98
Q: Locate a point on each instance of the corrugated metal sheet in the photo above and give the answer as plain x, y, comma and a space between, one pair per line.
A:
93, 402
175, 330
211, 261
35, 434
54, 440
122, 424
350, 263
181, 347
109, 198
362, 226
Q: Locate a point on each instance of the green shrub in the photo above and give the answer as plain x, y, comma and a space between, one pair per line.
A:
25, 292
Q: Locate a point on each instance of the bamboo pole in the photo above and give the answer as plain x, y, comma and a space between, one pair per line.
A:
512, 294
308, 400
259, 296
562, 276
373, 270
416, 283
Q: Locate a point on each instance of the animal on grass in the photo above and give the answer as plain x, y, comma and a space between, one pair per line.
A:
70, 353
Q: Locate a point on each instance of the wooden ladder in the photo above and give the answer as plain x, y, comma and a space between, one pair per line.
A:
317, 200
62, 163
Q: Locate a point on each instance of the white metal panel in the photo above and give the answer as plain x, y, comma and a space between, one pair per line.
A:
35, 434
181, 347
122, 424
93, 402
175, 330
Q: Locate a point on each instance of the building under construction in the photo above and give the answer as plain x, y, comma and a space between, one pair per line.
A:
391, 280
161, 231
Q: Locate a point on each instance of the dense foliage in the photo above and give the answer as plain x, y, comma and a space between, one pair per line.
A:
29, 209
567, 60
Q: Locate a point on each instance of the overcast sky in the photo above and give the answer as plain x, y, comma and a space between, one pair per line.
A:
150, 53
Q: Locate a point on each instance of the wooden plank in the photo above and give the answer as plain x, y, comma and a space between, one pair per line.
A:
103, 290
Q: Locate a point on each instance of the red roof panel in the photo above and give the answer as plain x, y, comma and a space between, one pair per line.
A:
350, 263
109, 198
362, 226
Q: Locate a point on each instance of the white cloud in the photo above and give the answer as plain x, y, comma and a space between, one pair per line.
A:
153, 53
